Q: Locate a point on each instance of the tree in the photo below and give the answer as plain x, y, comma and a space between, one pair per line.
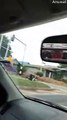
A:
39, 74
21, 68
57, 75
24, 69
63, 66
18, 67
4, 46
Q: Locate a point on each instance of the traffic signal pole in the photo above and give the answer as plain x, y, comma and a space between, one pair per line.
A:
1, 41
12, 39
7, 49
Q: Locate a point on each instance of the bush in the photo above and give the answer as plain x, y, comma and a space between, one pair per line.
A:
24, 69
21, 68
40, 74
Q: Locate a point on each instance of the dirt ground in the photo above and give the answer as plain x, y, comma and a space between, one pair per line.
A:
49, 80
41, 92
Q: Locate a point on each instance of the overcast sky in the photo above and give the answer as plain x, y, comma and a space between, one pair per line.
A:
33, 37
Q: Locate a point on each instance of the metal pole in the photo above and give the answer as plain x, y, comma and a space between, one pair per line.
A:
24, 54
7, 49
1, 44
20, 41
1, 41
13, 37
24, 48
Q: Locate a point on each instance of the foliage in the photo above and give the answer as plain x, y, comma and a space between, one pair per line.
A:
39, 74
4, 44
57, 75
22, 68
18, 67
60, 75
63, 73
63, 65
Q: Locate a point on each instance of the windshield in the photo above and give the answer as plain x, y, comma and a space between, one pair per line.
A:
31, 75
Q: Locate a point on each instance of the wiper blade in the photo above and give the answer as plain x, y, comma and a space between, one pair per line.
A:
48, 103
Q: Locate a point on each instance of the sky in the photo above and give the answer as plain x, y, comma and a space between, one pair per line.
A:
33, 37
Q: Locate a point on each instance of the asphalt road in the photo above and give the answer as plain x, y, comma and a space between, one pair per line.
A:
56, 98
59, 96
59, 99
62, 89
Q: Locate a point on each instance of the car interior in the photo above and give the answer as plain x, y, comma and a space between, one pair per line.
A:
14, 15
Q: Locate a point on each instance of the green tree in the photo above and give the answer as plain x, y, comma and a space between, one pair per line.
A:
18, 67
24, 69
39, 74
4, 45
21, 68
63, 65
57, 75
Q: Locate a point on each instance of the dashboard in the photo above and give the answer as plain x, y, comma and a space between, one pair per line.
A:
24, 109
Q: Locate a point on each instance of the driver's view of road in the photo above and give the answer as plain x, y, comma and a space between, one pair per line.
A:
33, 59
32, 76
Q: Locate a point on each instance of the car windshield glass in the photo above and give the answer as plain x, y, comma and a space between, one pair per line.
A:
31, 75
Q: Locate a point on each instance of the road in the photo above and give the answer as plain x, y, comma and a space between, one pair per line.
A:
58, 95
59, 99
62, 89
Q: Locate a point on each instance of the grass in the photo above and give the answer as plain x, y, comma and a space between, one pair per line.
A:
52, 81
27, 84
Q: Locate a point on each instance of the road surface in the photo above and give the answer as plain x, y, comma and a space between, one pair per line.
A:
59, 99
62, 89
58, 95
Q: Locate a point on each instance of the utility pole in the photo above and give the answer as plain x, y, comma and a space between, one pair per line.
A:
7, 49
1, 41
1, 44
12, 39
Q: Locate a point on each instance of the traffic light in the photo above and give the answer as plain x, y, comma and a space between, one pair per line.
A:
12, 38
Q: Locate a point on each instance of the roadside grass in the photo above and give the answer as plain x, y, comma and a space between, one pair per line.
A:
27, 84
52, 81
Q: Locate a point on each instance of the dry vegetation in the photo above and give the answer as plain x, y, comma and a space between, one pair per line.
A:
50, 80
